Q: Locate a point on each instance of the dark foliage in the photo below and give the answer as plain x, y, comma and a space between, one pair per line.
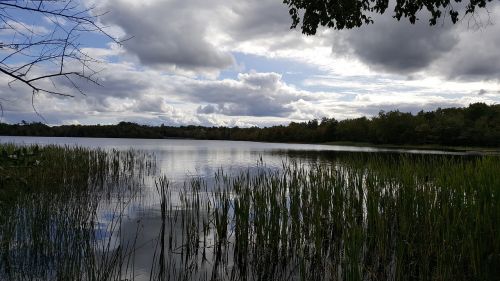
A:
354, 13
476, 125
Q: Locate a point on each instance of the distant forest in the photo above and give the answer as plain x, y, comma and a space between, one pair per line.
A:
476, 125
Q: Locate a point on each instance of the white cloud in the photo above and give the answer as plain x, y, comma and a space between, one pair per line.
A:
169, 71
11, 27
168, 35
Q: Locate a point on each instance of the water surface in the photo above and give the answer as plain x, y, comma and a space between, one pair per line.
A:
179, 158
182, 160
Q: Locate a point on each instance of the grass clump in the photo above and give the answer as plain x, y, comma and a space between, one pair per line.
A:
51, 198
362, 217
356, 216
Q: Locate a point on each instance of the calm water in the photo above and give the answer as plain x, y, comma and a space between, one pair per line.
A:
181, 160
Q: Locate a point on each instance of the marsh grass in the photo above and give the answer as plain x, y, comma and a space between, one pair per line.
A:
362, 217
50, 207
355, 216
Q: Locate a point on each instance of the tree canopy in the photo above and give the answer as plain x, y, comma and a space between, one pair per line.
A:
340, 14
476, 125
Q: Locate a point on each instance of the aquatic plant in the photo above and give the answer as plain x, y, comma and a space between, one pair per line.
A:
355, 216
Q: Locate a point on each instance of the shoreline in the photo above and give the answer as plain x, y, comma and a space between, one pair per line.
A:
470, 149
488, 150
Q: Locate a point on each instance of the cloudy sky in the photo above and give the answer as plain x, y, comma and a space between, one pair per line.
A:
237, 63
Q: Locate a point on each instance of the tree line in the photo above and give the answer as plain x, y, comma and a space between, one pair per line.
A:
476, 125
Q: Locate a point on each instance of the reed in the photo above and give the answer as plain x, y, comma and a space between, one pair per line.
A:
50, 201
353, 217
359, 218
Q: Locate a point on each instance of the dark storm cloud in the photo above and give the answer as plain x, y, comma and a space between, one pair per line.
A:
398, 47
260, 18
169, 33
465, 51
477, 56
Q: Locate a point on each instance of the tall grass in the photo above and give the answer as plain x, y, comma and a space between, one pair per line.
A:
352, 217
50, 202
361, 218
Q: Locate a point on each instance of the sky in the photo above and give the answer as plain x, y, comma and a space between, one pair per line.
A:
238, 63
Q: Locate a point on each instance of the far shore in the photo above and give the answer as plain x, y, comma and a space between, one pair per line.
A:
469, 149
488, 150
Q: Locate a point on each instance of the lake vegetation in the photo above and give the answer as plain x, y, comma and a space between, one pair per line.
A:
50, 198
477, 125
353, 216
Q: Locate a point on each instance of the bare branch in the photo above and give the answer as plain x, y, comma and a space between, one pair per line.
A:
31, 53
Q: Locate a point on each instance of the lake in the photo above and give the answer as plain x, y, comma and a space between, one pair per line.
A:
179, 158
200, 202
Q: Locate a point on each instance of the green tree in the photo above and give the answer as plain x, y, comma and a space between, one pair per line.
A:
340, 14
